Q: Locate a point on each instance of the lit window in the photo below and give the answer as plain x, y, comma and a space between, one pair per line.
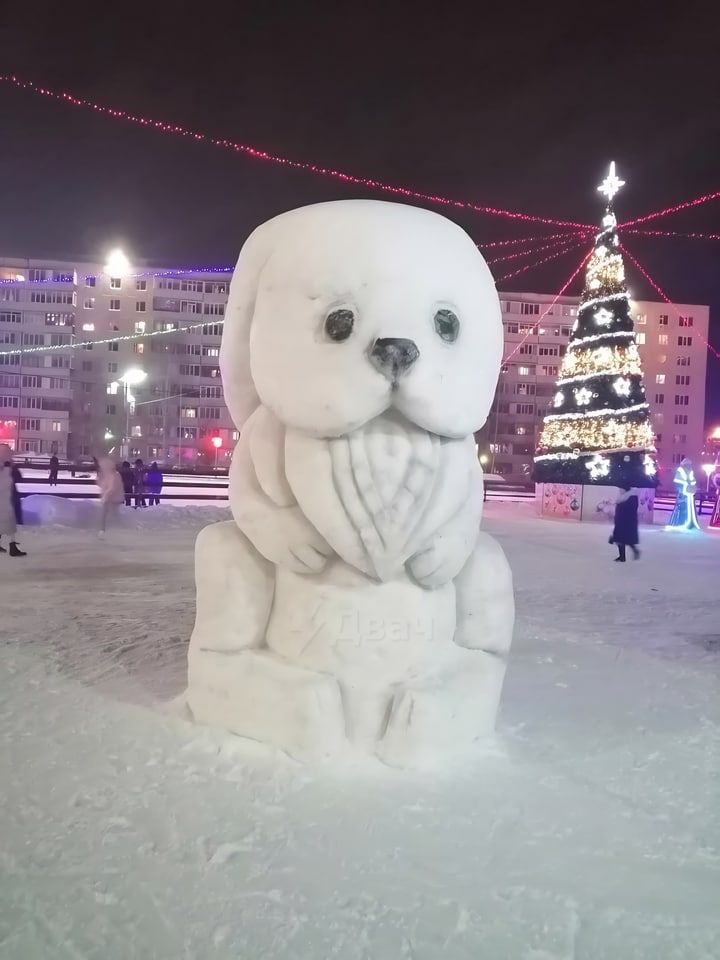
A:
57, 426
114, 304
190, 413
139, 326
523, 371
640, 338
112, 388
136, 431
641, 318
139, 348
663, 339
88, 327
660, 378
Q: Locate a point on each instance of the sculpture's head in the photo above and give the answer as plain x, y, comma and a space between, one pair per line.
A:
342, 310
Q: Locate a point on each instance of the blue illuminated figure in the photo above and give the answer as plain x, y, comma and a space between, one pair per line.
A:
683, 515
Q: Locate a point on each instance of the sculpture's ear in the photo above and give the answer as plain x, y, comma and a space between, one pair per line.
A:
238, 387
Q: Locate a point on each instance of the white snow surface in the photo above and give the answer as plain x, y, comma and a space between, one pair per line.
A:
589, 829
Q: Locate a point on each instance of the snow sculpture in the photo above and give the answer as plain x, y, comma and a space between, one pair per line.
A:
354, 601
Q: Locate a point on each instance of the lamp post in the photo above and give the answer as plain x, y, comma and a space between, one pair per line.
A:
131, 378
217, 443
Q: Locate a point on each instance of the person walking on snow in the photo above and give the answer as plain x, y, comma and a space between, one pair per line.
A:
10, 508
154, 483
54, 469
139, 484
625, 532
128, 481
111, 492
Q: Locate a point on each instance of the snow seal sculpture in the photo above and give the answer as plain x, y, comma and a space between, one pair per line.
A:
353, 603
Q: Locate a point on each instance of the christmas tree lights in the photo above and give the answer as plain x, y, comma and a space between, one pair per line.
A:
598, 428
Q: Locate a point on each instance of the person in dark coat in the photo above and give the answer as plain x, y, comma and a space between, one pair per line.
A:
10, 502
54, 469
625, 532
139, 484
127, 475
154, 481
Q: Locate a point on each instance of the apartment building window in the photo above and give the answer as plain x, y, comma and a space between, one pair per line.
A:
659, 398
115, 283
209, 413
33, 339
189, 413
141, 306
682, 380
87, 366
170, 326
662, 339
215, 351
216, 288
112, 368
141, 284
662, 358
682, 400
641, 318
9, 294
684, 341
136, 431
87, 387
525, 408
658, 438
53, 296
89, 281
32, 382
659, 378
10, 361
211, 393
685, 321
189, 370
524, 389
8, 317
114, 304
30, 425
214, 309
530, 309
235, 435
89, 303
56, 319
525, 371
192, 286
32, 403
88, 327
683, 361
8, 380
640, 338
679, 438
663, 320
549, 351
212, 330
528, 328
57, 426
139, 348
186, 433
191, 306
6, 337
113, 347
112, 388
512, 328
677, 458
681, 419
9, 403
59, 363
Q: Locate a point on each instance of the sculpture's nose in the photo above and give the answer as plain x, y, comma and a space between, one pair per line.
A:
393, 356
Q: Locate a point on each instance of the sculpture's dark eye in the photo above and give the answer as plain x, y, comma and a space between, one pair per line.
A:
339, 324
447, 325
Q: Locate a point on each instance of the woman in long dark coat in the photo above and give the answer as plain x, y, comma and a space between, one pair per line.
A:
625, 532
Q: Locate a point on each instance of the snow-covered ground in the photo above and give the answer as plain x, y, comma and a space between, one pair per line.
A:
589, 831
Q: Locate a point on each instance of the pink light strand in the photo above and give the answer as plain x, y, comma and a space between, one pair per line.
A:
507, 243
638, 266
295, 164
675, 233
533, 250
537, 263
668, 210
557, 296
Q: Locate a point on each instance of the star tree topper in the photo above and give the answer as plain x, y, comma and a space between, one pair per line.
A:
611, 184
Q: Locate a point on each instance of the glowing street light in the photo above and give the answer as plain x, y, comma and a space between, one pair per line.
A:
217, 443
117, 264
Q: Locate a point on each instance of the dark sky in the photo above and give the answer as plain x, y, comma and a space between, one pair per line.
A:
489, 102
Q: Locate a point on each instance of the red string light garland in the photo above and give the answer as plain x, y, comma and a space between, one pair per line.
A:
295, 164
533, 250
537, 263
638, 266
675, 233
555, 299
668, 210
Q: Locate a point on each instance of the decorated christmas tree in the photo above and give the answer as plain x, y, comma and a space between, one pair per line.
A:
598, 430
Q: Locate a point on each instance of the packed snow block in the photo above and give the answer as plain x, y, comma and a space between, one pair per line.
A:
44, 510
353, 603
264, 698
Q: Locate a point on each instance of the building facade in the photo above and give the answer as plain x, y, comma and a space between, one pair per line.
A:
75, 399
672, 345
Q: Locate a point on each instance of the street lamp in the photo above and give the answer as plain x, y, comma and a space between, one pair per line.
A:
131, 378
217, 443
709, 469
117, 264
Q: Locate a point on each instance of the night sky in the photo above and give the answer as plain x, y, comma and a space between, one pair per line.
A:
521, 110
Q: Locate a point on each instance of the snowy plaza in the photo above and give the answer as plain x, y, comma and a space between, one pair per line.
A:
589, 828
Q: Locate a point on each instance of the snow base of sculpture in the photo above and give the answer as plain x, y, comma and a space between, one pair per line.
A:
587, 502
324, 665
